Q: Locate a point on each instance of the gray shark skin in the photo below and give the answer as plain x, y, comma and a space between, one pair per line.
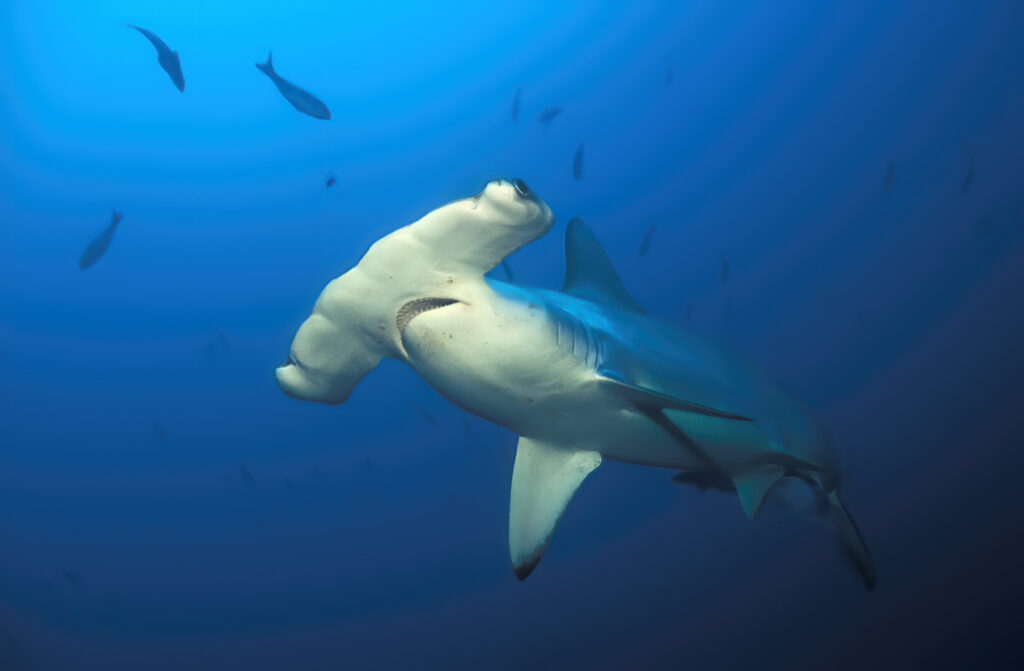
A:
98, 247
581, 375
300, 99
169, 60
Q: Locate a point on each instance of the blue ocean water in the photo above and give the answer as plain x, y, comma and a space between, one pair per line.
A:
834, 189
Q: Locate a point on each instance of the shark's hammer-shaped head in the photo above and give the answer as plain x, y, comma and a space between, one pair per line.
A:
426, 265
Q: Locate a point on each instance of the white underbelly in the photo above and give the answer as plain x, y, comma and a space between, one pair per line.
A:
506, 366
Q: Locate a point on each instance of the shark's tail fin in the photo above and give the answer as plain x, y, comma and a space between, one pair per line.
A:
850, 541
117, 216
268, 67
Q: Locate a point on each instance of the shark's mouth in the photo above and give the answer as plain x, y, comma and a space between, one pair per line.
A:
417, 307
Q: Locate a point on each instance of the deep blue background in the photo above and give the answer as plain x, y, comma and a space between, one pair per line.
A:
369, 536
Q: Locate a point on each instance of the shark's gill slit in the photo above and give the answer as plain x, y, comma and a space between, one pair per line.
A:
418, 307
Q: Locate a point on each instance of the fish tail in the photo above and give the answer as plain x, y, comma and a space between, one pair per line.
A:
116, 215
268, 67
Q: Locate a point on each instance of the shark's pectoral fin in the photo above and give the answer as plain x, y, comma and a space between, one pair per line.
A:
754, 484
544, 479
588, 271
648, 397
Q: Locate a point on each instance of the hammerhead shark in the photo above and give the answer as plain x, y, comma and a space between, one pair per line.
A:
581, 375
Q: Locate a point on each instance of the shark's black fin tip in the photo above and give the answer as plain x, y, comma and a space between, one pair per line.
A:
524, 570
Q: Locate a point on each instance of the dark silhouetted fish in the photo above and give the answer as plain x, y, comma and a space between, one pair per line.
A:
515, 105
645, 243
161, 432
330, 181
965, 186
168, 59
670, 75
217, 347
72, 577
890, 175
577, 162
982, 225
425, 414
246, 474
548, 114
725, 270
98, 247
300, 99
508, 270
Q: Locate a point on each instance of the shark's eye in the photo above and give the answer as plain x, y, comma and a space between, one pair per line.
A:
521, 187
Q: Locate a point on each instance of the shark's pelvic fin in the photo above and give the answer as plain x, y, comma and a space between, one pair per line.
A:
544, 479
649, 397
754, 484
588, 271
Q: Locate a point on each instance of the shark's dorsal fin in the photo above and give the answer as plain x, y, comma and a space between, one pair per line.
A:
588, 271
544, 479
754, 484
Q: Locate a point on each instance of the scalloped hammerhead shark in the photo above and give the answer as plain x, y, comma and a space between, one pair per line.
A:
582, 374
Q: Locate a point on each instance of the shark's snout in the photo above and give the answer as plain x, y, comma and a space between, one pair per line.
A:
299, 384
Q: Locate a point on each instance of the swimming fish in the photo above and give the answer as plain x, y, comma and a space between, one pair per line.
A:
515, 105
216, 348
425, 414
965, 186
577, 162
300, 99
582, 374
889, 177
169, 60
645, 244
330, 181
548, 114
98, 247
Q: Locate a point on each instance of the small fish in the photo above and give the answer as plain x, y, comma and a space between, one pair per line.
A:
725, 269
645, 243
670, 76
890, 175
508, 270
300, 99
72, 577
168, 59
161, 432
577, 162
246, 474
515, 104
965, 186
330, 181
981, 226
98, 247
425, 414
217, 347
548, 114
